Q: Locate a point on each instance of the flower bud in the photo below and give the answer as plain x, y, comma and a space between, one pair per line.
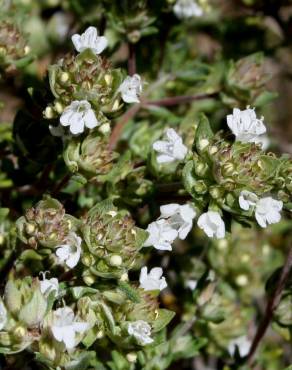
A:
115, 260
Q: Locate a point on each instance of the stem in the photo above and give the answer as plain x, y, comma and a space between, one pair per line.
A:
271, 305
61, 184
181, 99
117, 131
132, 60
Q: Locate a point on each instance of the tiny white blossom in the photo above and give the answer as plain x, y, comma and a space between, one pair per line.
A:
267, 211
264, 141
64, 326
247, 199
212, 224
77, 116
152, 281
90, 40
170, 150
191, 284
187, 9
179, 217
161, 235
48, 286
245, 125
131, 89
70, 252
3, 315
141, 331
243, 344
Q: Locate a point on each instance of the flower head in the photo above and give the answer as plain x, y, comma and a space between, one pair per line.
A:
245, 125
64, 327
161, 235
247, 199
70, 252
48, 286
187, 9
3, 315
179, 217
212, 224
152, 281
141, 331
170, 150
131, 89
242, 343
77, 116
267, 211
90, 40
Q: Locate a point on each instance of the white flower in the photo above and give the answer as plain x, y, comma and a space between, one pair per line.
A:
131, 89
243, 344
152, 281
264, 141
70, 252
161, 235
179, 217
64, 327
187, 9
141, 330
172, 149
247, 199
3, 315
78, 115
90, 40
48, 286
267, 211
245, 125
212, 224
191, 284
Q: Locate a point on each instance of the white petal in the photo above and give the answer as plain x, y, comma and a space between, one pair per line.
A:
90, 119
169, 210
69, 337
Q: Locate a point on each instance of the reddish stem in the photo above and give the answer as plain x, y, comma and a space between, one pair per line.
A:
181, 99
132, 60
271, 306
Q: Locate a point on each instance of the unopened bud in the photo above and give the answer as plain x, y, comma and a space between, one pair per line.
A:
1, 239
203, 143
201, 169
213, 149
200, 187
64, 77
59, 107
241, 280
228, 169
26, 49
30, 228
108, 79
100, 334
115, 260
19, 332
49, 113
105, 128
124, 277
216, 192
88, 279
87, 259
131, 357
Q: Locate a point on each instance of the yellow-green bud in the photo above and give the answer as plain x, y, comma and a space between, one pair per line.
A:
241, 280
49, 113
115, 260
116, 105
88, 279
200, 187
100, 334
203, 143
105, 128
131, 357
87, 259
124, 277
228, 169
19, 332
59, 107
64, 77
108, 79
213, 149
1, 239
26, 49
30, 228
201, 169
215, 192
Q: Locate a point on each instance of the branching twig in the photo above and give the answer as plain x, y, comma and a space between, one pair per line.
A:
132, 60
271, 305
116, 133
176, 100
